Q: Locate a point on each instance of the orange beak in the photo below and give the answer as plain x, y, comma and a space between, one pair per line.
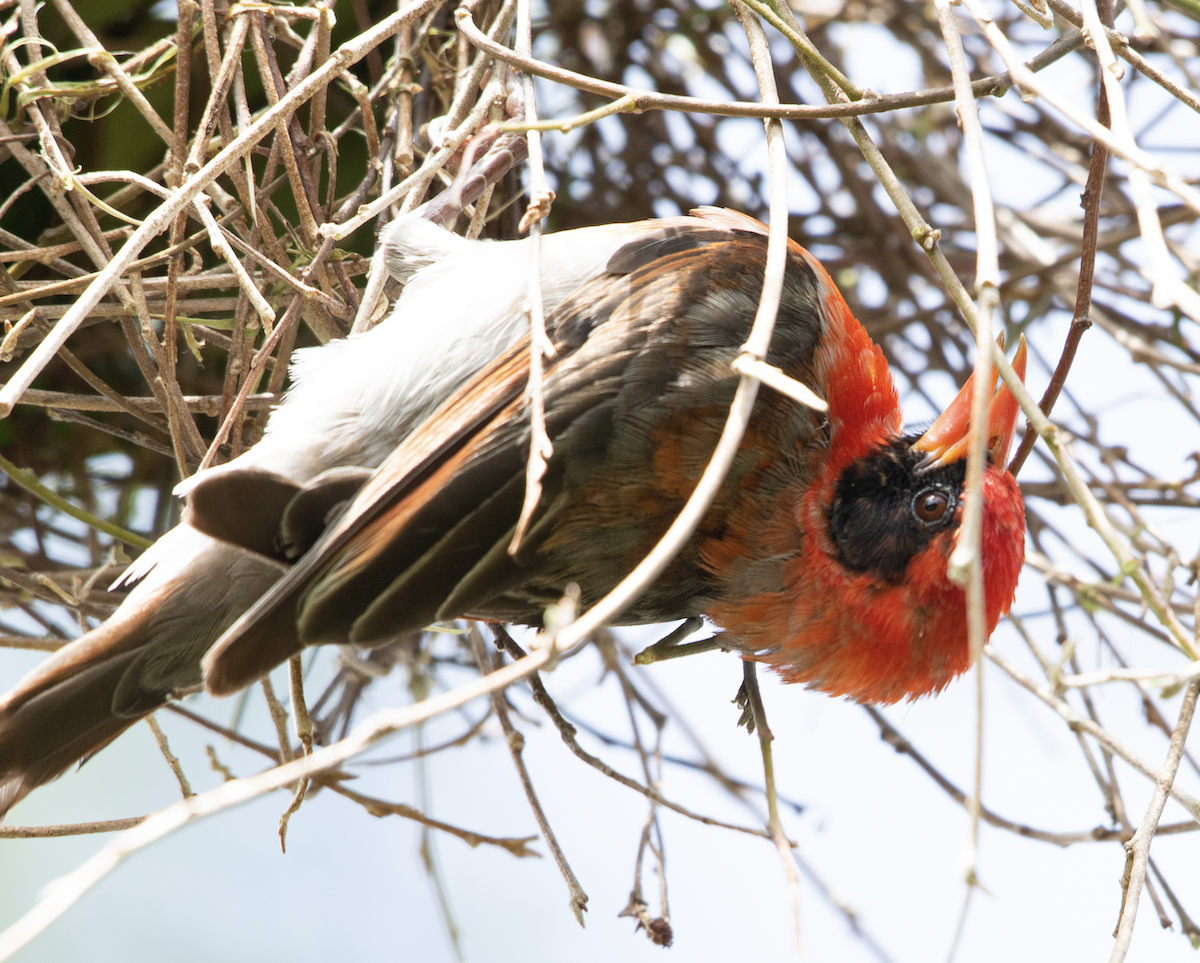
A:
947, 440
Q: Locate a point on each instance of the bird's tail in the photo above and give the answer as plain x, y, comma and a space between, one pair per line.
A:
92, 690
63, 710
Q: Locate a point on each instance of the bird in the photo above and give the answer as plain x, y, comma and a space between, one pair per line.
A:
385, 493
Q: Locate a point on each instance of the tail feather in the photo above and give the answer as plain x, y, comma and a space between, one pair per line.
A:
42, 735
92, 690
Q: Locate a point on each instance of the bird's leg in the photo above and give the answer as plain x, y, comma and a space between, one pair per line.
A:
670, 647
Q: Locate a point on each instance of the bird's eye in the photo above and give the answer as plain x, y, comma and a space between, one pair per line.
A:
931, 505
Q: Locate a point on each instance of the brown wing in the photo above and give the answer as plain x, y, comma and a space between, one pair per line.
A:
635, 400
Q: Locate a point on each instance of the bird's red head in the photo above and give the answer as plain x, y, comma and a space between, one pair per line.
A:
867, 609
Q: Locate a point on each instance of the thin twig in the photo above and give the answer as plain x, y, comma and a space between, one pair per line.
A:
1122, 146
161, 738
70, 829
1082, 723
966, 563
516, 744
1080, 322
651, 100
758, 722
164, 215
68, 889
541, 197
1138, 848
566, 732
27, 480
304, 733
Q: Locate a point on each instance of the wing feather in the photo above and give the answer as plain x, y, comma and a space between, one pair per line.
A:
635, 396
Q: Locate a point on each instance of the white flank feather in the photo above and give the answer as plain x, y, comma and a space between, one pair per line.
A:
352, 401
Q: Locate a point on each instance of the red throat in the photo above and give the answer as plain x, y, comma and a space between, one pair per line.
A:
855, 633
872, 640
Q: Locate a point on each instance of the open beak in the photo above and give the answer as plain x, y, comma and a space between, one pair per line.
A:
947, 440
